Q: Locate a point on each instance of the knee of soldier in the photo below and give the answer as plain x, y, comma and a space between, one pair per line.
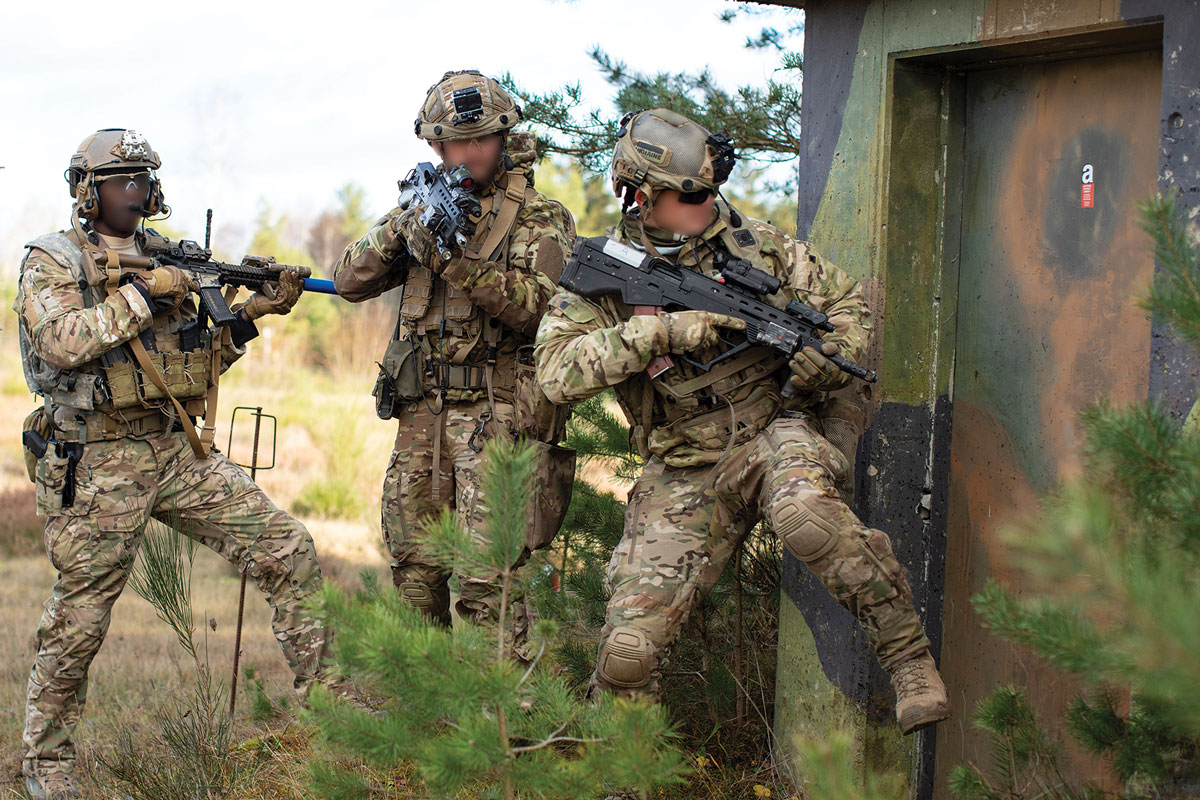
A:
419, 595
626, 660
287, 557
806, 523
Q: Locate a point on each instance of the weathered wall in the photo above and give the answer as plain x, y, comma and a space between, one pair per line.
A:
884, 140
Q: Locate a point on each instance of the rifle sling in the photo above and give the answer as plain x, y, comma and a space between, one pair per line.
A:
201, 443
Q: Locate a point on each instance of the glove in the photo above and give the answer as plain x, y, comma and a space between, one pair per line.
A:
691, 330
167, 286
812, 369
276, 297
420, 242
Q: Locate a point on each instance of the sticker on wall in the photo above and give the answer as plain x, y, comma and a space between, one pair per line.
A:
1087, 194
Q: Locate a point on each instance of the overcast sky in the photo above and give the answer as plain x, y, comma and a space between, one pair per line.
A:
255, 100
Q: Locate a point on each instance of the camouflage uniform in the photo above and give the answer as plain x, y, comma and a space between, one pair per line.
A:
457, 317
136, 463
724, 449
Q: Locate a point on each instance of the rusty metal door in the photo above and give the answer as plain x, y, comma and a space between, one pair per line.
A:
1057, 155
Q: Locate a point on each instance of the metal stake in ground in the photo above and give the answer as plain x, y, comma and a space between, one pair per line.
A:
253, 467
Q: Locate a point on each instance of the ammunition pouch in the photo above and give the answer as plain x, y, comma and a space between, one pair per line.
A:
399, 381
186, 375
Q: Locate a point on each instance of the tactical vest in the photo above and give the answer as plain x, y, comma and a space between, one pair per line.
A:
113, 396
430, 307
698, 413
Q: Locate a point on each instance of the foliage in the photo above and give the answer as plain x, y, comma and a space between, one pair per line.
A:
456, 705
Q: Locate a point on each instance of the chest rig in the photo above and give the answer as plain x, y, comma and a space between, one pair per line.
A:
164, 376
686, 408
444, 329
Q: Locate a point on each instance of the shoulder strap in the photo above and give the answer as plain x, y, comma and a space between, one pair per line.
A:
201, 443
511, 203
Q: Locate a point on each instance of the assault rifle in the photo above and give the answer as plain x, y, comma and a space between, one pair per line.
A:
601, 266
211, 276
449, 204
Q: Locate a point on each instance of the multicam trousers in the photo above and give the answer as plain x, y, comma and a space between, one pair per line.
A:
683, 525
93, 542
409, 500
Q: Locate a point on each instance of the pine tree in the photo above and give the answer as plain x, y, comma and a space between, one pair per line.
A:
1115, 559
456, 706
764, 121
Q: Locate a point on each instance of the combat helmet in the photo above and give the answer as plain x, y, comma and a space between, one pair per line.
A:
660, 149
466, 104
104, 154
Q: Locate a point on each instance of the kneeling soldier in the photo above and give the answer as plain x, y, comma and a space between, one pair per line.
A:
724, 448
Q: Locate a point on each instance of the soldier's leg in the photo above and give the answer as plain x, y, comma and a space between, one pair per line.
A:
407, 501
798, 498
856, 563
678, 538
92, 544
215, 502
480, 592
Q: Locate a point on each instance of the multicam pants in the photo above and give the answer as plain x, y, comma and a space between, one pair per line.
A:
93, 543
682, 527
409, 500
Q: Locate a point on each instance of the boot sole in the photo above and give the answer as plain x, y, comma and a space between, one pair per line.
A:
919, 718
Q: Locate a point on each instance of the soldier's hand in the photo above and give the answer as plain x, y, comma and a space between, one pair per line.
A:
420, 242
276, 297
689, 330
812, 369
168, 286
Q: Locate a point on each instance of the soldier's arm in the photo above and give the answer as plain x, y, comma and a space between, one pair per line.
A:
830, 290
581, 350
538, 250
372, 265
62, 331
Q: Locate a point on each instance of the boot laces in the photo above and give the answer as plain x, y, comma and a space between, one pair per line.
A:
910, 678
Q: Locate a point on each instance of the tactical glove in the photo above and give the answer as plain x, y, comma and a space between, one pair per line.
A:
277, 297
167, 286
812, 369
691, 330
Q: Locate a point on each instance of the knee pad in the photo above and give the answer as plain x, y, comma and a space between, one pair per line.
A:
625, 661
426, 599
802, 523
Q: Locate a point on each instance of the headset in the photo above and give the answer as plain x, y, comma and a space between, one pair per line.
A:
87, 197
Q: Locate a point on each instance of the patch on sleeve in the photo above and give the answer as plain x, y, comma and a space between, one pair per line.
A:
743, 237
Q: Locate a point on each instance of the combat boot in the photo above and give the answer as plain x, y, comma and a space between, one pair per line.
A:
55, 786
920, 694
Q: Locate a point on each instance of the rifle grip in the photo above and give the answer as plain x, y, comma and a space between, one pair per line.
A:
659, 364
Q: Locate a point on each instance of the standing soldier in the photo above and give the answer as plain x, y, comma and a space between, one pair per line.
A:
460, 365
125, 371
724, 448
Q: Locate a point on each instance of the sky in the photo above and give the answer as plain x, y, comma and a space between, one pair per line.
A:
249, 102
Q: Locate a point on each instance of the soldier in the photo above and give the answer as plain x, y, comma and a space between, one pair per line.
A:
124, 372
460, 364
723, 448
